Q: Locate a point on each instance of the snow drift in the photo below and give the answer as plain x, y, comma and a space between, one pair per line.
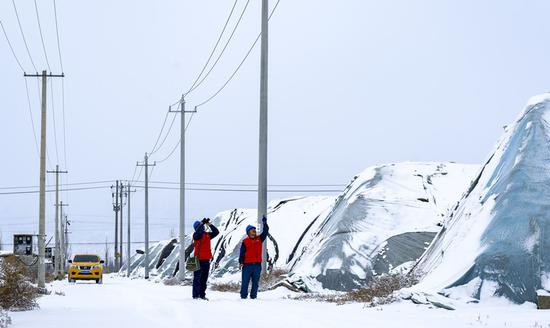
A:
383, 220
496, 242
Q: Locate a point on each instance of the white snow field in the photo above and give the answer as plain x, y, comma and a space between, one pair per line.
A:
135, 303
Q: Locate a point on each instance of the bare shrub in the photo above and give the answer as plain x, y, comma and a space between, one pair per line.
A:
271, 278
379, 291
50, 277
17, 293
5, 319
227, 287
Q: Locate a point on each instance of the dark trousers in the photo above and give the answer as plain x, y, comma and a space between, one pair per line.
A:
251, 271
200, 278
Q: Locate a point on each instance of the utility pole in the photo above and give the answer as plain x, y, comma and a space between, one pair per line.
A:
63, 238
42, 199
262, 163
66, 239
57, 252
129, 192
182, 111
107, 254
146, 165
116, 208
120, 244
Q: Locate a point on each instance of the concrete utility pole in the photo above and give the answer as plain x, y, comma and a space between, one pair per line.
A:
42, 198
129, 192
116, 208
146, 165
262, 163
66, 225
57, 251
63, 238
121, 244
182, 111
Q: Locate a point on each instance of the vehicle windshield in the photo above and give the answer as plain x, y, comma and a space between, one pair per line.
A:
86, 258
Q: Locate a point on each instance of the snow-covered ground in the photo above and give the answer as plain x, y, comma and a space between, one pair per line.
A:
122, 302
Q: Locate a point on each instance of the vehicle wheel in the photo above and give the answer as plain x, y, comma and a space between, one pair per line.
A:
99, 281
71, 280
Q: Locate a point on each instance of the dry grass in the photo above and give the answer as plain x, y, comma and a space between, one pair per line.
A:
227, 287
267, 281
379, 291
17, 293
175, 281
271, 278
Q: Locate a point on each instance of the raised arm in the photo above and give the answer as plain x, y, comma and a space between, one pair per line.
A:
214, 232
265, 230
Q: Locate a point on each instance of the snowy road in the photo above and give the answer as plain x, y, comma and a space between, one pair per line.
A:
121, 302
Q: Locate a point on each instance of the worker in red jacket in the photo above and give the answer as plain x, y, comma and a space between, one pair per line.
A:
250, 259
204, 232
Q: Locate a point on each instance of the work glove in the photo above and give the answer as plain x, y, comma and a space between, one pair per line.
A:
264, 219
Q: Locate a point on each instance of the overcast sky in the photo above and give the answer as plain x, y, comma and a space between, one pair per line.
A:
351, 84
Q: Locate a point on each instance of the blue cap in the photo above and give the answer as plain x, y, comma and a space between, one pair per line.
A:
249, 227
196, 224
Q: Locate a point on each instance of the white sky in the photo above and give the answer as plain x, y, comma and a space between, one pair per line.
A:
352, 84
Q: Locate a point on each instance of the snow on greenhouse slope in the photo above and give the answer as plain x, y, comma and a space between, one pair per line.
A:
385, 217
288, 219
497, 241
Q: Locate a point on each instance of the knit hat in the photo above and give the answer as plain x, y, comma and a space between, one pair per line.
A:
249, 227
196, 224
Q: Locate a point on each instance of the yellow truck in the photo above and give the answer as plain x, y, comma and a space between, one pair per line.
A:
86, 267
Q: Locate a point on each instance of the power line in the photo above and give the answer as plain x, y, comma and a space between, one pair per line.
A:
177, 188
134, 174
160, 134
244, 190
63, 118
247, 184
84, 183
57, 34
11, 48
62, 83
41, 36
31, 117
52, 190
139, 175
179, 142
195, 84
23, 35
166, 135
240, 64
54, 119
67, 184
